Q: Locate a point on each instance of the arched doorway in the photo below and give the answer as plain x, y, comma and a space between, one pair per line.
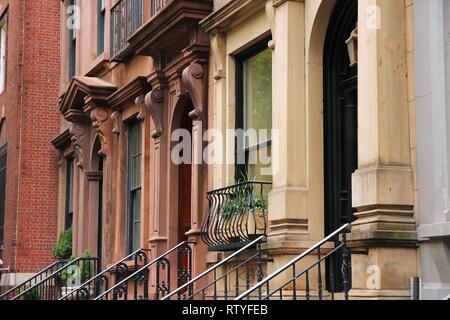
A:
340, 117
184, 186
340, 127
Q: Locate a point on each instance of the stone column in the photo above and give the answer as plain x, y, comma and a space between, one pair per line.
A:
290, 230
383, 192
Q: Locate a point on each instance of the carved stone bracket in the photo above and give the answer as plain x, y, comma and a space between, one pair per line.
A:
218, 53
80, 141
140, 102
270, 12
101, 121
154, 102
193, 79
117, 122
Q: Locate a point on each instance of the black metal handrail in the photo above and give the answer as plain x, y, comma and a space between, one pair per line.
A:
141, 277
236, 215
262, 290
11, 293
193, 292
126, 18
100, 283
51, 288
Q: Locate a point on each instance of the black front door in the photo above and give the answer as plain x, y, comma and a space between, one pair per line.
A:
340, 117
340, 128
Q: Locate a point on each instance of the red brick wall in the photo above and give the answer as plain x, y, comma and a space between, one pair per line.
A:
32, 121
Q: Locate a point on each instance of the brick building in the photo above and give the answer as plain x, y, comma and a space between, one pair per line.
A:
29, 86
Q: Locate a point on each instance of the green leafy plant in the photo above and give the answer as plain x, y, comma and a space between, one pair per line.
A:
32, 295
86, 270
63, 248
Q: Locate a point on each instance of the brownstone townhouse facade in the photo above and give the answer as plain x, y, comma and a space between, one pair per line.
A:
250, 149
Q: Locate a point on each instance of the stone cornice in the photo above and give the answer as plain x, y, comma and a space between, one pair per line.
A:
73, 103
126, 95
232, 14
62, 141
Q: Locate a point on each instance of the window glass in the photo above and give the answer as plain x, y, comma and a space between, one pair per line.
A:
254, 114
134, 178
69, 193
2, 192
3, 44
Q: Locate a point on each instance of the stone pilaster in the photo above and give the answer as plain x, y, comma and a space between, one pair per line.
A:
383, 185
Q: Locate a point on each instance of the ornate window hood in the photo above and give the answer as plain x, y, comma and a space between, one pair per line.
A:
73, 105
174, 28
128, 93
231, 15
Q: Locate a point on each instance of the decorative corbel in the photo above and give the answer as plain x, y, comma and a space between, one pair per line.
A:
60, 157
218, 53
103, 126
116, 122
80, 142
270, 12
154, 102
193, 79
140, 102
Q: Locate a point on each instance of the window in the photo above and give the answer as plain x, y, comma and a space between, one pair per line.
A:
69, 194
3, 44
254, 113
101, 26
72, 41
2, 191
134, 186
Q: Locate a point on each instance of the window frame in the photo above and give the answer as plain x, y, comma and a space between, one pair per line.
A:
101, 26
3, 153
3, 50
68, 209
240, 59
72, 46
133, 190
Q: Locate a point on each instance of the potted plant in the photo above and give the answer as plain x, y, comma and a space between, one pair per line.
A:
63, 249
257, 216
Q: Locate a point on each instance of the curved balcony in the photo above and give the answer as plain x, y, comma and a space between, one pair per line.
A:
236, 215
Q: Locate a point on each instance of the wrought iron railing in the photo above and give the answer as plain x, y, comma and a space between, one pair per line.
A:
300, 282
157, 5
59, 282
43, 274
236, 215
126, 18
227, 278
102, 281
136, 285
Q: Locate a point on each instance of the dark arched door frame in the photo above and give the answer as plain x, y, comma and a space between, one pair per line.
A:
340, 116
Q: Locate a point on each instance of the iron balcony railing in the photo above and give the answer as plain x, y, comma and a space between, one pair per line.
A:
56, 284
227, 278
157, 5
236, 215
334, 262
102, 281
43, 274
126, 18
136, 285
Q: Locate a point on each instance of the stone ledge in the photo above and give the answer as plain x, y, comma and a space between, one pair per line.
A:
435, 230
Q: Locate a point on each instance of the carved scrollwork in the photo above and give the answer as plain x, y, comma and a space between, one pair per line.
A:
218, 52
154, 102
80, 142
140, 102
101, 121
193, 79
270, 12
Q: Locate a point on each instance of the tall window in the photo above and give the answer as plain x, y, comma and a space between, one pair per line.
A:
3, 44
72, 41
101, 26
254, 113
134, 185
2, 191
69, 194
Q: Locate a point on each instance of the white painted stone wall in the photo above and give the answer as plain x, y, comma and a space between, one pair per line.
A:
432, 79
